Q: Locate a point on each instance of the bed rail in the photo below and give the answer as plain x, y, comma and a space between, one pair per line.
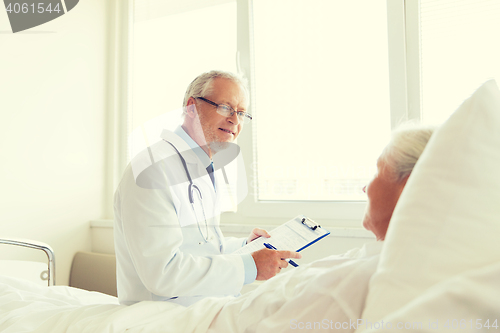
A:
38, 246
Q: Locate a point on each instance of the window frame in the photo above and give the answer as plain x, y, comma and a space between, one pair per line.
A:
121, 33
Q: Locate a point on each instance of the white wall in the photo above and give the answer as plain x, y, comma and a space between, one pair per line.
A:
53, 91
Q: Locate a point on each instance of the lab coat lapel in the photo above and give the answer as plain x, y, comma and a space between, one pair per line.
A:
181, 146
197, 170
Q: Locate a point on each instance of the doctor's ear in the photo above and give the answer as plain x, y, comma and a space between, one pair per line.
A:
191, 107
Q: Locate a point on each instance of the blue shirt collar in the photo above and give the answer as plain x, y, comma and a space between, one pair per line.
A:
202, 155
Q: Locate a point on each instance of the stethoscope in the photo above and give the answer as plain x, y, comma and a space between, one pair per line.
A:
193, 191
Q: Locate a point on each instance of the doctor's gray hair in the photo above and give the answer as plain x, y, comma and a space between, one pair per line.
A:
201, 86
405, 147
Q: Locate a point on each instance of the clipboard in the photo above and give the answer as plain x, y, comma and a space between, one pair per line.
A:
294, 235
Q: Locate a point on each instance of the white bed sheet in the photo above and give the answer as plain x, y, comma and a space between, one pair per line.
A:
328, 294
27, 307
327, 291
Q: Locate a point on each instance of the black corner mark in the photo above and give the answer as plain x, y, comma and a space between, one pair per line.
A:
70, 4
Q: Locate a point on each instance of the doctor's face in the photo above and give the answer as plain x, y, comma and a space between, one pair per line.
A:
383, 194
218, 128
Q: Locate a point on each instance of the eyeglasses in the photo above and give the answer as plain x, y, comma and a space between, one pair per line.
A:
228, 111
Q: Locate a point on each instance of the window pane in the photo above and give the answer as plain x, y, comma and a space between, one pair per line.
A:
171, 50
322, 97
460, 51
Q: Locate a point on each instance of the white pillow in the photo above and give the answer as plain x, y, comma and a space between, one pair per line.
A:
447, 220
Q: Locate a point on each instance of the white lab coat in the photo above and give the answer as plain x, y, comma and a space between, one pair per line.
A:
160, 252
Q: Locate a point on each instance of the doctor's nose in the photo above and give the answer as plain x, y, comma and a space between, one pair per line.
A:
234, 119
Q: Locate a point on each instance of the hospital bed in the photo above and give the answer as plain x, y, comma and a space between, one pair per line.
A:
438, 269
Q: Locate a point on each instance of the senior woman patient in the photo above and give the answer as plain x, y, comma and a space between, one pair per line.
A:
330, 293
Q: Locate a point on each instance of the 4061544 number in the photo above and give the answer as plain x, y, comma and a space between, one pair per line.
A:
31, 8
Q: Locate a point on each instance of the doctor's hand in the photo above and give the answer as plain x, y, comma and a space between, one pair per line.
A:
270, 262
256, 233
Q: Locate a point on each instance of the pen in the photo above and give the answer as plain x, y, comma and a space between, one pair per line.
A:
269, 246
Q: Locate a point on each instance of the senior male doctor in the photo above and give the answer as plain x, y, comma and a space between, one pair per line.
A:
168, 243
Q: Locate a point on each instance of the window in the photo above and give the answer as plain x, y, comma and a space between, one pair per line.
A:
459, 51
322, 112
329, 79
172, 43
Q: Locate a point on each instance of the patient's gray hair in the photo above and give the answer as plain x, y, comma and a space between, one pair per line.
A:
405, 147
202, 85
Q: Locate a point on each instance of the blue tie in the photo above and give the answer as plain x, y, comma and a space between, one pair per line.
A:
210, 170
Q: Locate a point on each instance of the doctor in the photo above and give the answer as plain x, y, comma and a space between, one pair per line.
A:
168, 243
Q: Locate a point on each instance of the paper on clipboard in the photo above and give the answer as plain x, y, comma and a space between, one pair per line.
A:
292, 235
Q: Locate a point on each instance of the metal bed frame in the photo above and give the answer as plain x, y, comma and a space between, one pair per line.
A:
38, 246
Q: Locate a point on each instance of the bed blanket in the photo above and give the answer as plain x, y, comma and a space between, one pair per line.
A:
327, 292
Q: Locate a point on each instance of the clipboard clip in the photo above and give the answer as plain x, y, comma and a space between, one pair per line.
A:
310, 223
